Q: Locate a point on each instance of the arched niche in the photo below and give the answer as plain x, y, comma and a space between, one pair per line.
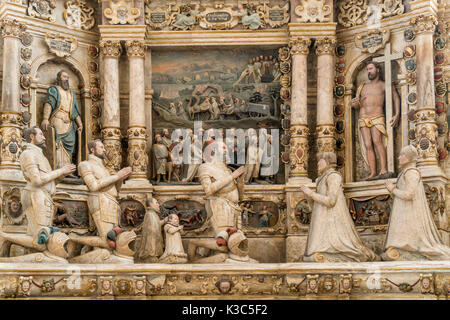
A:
355, 75
43, 72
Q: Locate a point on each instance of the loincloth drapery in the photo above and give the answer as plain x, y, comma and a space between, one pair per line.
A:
379, 123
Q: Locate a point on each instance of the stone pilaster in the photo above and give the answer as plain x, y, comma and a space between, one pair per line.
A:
111, 51
137, 135
299, 124
10, 124
426, 128
325, 82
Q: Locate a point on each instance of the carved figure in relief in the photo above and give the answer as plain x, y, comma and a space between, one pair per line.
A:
369, 100
222, 198
253, 160
251, 19
181, 112
173, 252
151, 246
103, 208
264, 217
192, 167
61, 112
38, 204
412, 233
160, 158
186, 19
332, 235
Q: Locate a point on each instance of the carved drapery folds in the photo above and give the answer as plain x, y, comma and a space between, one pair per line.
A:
122, 12
79, 15
112, 49
42, 9
135, 48
313, 11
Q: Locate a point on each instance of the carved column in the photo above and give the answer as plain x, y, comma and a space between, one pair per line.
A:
426, 128
325, 82
111, 51
137, 141
10, 120
299, 124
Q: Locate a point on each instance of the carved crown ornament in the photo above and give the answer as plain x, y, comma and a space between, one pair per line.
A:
122, 12
60, 45
299, 45
325, 46
373, 40
313, 11
135, 48
112, 49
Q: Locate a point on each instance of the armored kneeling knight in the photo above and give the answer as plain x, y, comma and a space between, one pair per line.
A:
222, 198
105, 211
38, 205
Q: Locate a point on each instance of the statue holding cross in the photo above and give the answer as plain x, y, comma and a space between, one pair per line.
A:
374, 136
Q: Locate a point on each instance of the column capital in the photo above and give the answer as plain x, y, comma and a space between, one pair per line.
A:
111, 48
12, 28
135, 48
325, 46
300, 45
424, 24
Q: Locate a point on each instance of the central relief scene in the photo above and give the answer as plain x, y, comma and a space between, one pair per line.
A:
232, 88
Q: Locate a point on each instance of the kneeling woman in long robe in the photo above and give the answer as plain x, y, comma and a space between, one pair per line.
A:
332, 235
412, 234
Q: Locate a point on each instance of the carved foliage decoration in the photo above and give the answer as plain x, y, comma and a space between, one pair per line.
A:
313, 11
122, 12
42, 9
78, 14
352, 12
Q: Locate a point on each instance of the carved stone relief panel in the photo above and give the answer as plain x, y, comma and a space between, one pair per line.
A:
79, 14
42, 9
122, 12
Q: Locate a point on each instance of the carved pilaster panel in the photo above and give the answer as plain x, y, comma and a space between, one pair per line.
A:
111, 141
325, 46
111, 49
299, 45
12, 28
11, 138
352, 12
424, 23
135, 48
137, 155
299, 151
325, 138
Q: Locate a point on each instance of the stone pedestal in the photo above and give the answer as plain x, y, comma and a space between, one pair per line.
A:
325, 83
111, 51
137, 140
10, 118
299, 150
